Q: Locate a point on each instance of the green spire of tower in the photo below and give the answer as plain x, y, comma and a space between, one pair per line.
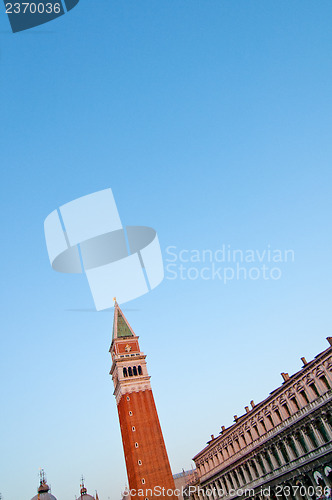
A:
121, 327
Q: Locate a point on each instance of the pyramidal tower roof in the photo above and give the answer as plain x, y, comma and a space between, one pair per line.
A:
121, 327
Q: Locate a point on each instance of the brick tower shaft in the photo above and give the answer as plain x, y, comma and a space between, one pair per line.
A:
148, 469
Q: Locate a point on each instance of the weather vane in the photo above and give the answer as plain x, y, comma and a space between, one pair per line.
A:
42, 476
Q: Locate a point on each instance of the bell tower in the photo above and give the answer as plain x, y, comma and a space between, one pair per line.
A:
148, 469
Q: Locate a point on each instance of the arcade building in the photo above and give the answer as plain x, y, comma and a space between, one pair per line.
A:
280, 448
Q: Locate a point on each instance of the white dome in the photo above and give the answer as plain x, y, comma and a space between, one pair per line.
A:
44, 496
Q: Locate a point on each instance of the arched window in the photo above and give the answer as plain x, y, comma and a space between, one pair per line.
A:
255, 429
276, 456
249, 434
139, 370
125, 374
304, 396
321, 430
270, 420
325, 382
295, 403
130, 371
285, 407
277, 412
263, 425
135, 370
248, 472
314, 389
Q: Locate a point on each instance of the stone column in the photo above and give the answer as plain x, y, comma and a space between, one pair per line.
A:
239, 477
215, 490
327, 427
219, 488
253, 475
266, 464
223, 485
234, 478
228, 484
208, 488
258, 467
289, 450
297, 445
200, 495
195, 496
307, 440
318, 437
280, 455
273, 460
246, 477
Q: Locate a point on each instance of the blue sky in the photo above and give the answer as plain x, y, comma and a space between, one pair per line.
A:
211, 122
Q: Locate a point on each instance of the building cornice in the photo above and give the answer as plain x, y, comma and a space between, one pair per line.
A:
252, 448
276, 398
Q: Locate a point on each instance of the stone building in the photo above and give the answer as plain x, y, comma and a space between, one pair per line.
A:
181, 480
280, 448
84, 495
43, 492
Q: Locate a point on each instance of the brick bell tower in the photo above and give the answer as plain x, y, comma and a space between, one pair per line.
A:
145, 453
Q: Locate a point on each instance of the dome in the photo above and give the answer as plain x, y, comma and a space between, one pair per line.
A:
44, 496
84, 493
44, 489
